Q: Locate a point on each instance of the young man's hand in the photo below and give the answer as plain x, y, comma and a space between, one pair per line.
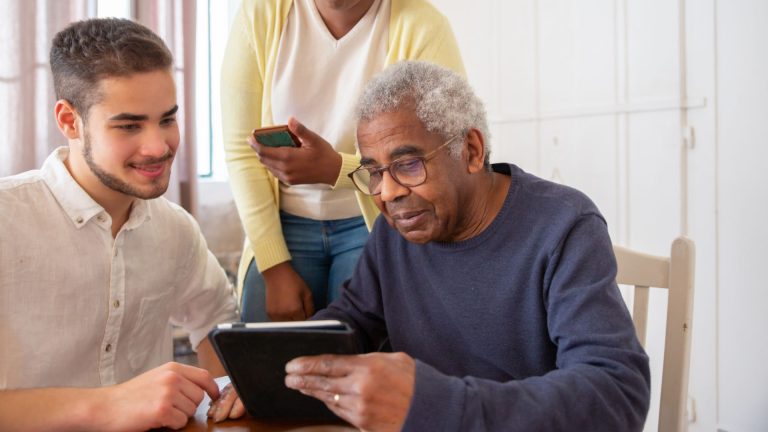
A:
162, 397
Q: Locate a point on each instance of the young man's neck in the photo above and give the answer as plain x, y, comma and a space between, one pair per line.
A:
119, 212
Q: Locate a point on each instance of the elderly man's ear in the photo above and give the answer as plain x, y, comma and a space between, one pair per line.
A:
475, 146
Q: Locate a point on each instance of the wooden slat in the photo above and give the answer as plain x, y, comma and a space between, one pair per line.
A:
640, 312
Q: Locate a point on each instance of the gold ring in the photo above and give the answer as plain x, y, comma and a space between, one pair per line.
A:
336, 397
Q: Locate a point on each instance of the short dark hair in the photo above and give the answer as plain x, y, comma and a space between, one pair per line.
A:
88, 51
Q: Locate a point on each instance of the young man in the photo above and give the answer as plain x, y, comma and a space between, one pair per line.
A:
496, 289
94, 264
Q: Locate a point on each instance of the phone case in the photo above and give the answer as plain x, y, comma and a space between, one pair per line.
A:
276, 136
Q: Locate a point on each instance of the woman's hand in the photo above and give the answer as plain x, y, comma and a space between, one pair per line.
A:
288, 298
314, 161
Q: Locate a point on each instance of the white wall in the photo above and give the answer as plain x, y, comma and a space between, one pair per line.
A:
657, 110
742, 196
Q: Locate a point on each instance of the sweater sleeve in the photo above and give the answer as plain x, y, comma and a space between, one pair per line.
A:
242, 92
418, 31
601, 381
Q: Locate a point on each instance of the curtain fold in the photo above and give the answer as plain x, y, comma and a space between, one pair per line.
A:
28, 131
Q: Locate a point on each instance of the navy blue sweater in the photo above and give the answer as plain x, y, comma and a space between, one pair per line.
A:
519, 328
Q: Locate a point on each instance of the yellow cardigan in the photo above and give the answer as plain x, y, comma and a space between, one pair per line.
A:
417, 31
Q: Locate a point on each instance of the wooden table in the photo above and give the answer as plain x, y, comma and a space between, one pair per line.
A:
200, 422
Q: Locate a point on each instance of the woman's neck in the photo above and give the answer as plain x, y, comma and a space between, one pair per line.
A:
341, 17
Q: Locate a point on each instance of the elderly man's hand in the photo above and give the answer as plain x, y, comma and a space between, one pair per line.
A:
315, 161
228, 405
371, 391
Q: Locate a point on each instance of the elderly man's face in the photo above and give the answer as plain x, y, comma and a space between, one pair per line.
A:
431, 211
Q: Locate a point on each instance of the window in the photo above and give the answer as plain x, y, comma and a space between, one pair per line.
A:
112, 8
213, 22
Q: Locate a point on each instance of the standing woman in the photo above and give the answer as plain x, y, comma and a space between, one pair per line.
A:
304, 63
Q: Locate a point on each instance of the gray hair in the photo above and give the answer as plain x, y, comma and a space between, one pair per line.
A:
443, 100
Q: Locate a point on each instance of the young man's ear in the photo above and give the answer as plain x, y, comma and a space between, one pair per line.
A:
475, 151
67, 119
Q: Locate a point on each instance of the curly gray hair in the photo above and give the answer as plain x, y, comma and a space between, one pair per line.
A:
443, 100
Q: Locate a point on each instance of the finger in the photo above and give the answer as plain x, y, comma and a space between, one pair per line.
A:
298, 315
263, 151
175, 419
309, 305
343, 407
200, 377
253, 143
295, 314
301, 131
223, 402
256, 145
329, 397
225, 407
322, 387
326, 364
191, 391
238, 409
182, 403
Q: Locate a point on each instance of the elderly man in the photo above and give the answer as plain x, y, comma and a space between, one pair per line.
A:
496, 289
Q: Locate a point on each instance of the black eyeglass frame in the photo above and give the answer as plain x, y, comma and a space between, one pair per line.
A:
388, 167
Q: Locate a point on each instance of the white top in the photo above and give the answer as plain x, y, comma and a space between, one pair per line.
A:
79, 308
318, 80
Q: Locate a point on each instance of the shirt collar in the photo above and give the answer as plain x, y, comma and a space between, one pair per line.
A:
76, 203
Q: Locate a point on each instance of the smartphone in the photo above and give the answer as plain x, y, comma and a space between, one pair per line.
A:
276, 136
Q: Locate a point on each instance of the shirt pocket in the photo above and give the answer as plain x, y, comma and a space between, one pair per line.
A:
151, 343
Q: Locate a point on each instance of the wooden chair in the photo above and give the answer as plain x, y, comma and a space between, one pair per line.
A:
675, 273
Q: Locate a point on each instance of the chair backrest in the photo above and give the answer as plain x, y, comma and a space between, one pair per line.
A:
674, 273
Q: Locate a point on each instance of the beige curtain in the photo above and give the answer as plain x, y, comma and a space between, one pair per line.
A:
27, 128
28, 132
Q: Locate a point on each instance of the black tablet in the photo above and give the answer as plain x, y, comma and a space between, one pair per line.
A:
254, 356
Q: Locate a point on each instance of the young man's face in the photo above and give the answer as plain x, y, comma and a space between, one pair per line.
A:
130, 137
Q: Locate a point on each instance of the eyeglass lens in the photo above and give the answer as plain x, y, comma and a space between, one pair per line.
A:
408, 172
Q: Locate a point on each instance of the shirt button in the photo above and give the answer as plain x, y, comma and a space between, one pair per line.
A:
79, 219
116, 304
100, 218
108, 348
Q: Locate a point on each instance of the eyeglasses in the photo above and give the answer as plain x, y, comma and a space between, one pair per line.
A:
407, 172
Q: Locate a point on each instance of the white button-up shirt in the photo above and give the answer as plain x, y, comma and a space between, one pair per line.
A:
80, 308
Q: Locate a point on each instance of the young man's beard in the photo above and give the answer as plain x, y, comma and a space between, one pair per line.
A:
160, 184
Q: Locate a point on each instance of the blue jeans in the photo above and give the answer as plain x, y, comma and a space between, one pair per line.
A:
323, 253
